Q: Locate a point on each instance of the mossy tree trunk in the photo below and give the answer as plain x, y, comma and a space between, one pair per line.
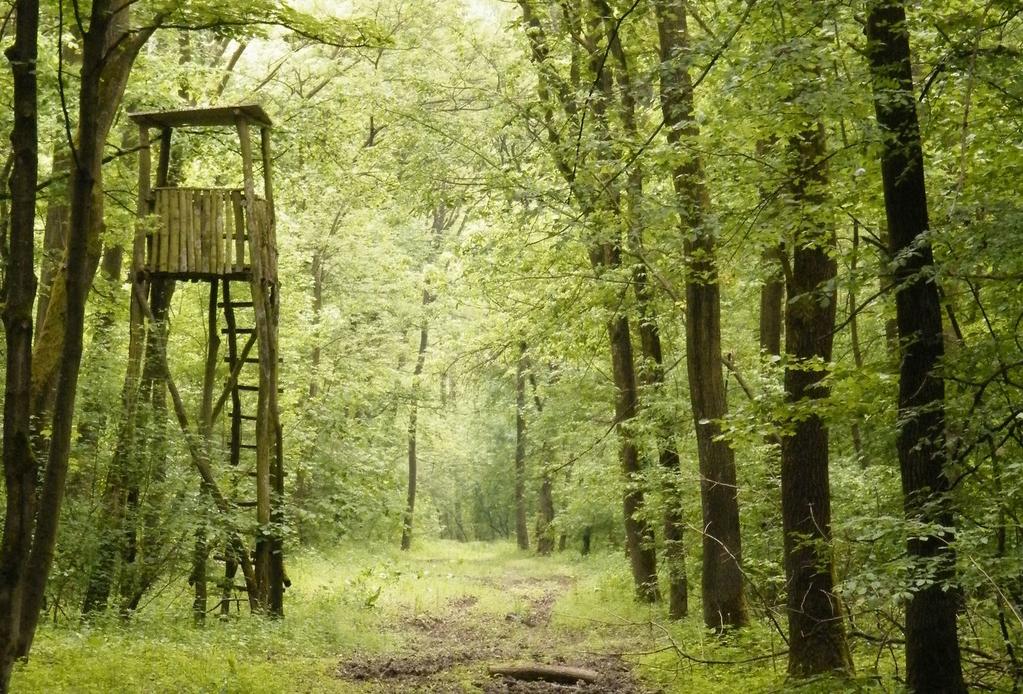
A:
19, 291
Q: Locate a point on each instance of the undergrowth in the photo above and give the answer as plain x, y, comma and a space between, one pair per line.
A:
352, 602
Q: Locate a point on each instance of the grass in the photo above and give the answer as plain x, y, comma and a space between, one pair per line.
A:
353, 604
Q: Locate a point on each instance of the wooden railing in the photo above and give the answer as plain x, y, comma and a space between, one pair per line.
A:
202, 233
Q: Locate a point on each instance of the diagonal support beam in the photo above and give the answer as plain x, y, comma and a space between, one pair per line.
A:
232, 379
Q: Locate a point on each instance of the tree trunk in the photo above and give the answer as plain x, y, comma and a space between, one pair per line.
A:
772, 297
54, 233
652, 377
521, 531
638, 535
817, 641
139, 571
19, 464
116, 56
932, 643
92, 419
201, 551
598, 200
413, 461
77, 280
545, 531
724, 603
651, 373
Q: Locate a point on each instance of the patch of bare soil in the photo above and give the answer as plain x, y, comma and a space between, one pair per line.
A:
457, 637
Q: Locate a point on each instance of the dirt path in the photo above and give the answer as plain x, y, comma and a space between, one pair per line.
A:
448, 648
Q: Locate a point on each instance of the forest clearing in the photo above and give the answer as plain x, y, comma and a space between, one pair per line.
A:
430, 621
591, 346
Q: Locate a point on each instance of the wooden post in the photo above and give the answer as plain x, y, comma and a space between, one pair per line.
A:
228, 212
144, 207
269, 463
239, 230
163, 168
173, 244
263, 432
217, 231
273, 309
205, 232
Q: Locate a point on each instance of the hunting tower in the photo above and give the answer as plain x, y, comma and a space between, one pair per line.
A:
224, 237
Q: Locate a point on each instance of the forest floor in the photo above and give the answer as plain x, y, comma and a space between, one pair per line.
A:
432, 620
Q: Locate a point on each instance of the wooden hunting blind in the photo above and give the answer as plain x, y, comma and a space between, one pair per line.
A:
224, 237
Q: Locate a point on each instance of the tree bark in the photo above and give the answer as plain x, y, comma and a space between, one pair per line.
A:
54, 233
19, 464
413, 422
545, 531
117, 54
638, 535
651, 372
76, 286
724, 602
772, 297
600, 200
817, 642
521, 530
932, 645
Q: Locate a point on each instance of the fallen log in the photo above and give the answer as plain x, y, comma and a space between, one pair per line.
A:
561, 674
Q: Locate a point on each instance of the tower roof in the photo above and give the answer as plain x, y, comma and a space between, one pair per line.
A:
203, 117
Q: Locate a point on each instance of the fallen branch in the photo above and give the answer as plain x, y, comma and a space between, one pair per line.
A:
561, 674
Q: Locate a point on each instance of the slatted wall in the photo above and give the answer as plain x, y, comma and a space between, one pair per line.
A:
203, 232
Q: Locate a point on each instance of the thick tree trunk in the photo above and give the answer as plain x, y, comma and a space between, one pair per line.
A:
521, 530
116, 56
817, 641
932, 644
19, 292
724, 602
77, 280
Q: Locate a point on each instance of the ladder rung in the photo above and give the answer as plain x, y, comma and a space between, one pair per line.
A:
246, 504
250, 360
248, 446
247, 417
253, 389
234, 304
237, 331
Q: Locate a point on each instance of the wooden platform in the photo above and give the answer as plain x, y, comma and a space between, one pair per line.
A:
204, 233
